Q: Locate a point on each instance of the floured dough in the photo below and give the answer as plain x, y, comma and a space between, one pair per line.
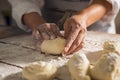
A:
78, 67
111, 46
39, 71
54, 46
107, 67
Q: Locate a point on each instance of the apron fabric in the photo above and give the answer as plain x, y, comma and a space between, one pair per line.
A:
54, 10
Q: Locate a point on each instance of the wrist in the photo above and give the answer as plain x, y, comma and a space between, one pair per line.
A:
33, 20
82, 18
36, 24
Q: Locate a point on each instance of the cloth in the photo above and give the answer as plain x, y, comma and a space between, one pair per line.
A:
53, 10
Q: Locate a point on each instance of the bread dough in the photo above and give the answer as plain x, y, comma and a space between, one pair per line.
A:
39, 71
78, 66
111, 46
107, 67
54, 46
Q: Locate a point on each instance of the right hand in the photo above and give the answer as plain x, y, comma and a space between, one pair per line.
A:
45, 31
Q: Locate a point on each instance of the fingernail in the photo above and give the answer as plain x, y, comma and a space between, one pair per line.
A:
63, 54
66, 49
68, 52
37, 32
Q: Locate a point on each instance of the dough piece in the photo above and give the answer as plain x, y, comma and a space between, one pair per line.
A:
39, 71
107, 67
54, 46
111, 46
78, 67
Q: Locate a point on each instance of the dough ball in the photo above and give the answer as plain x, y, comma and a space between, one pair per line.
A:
106, 68
78, 66
39, 71
111, 46
54, 46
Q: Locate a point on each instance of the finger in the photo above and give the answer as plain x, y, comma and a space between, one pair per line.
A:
44, 31
74, 33
79, 47
49, 30
38, 37
51, 35
37, 44
56, 30
76, 43
67, 30
45, 35
36, 34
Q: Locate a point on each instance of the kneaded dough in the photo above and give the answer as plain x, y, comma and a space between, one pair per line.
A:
107, 67
39, 71
78, 66
54, 46
111, 46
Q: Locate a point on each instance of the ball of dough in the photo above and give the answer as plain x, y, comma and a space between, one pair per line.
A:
54, 46
106, 68
78, 66
111, 46
39, 71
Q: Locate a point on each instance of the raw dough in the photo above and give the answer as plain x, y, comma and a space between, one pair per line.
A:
54, 46
78, 67
111, 46
39, 71
107, 67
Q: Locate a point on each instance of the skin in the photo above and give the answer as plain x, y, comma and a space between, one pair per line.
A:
75, 27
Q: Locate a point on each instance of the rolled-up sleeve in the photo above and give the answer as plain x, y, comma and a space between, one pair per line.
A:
110, 16
115, 5
21, 7
107, 22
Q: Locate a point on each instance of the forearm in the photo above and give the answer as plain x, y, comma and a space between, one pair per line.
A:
96, 11
32, 20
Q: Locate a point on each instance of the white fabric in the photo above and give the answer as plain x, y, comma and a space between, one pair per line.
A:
110, 16
21, 7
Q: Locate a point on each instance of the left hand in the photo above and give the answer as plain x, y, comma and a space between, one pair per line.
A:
75, 32
45, 31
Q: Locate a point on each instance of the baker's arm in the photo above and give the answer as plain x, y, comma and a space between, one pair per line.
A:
21, 7
75, 27
95, 11
33, 20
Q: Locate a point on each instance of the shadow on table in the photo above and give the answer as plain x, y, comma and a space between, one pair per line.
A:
16, 76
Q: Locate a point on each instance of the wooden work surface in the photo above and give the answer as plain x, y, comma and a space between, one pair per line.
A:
19, 50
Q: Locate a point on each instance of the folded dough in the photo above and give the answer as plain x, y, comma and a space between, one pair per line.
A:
111, 46
78, 66
54, 46
107, 67
39, 71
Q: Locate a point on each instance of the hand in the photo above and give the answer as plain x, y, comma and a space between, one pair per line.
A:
45, 31
75, 32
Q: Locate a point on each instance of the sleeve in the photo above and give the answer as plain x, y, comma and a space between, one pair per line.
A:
110, 16
21, 7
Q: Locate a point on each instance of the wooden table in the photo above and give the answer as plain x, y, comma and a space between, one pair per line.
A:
19, 50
